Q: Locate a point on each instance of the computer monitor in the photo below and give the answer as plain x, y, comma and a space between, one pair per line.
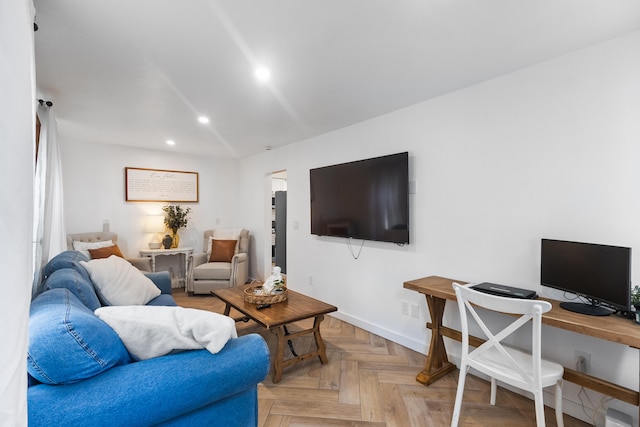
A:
600, 275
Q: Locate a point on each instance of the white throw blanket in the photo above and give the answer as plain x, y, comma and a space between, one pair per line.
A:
153, 331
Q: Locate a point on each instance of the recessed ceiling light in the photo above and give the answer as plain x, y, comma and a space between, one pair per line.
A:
262, 74
204, 120
171, 142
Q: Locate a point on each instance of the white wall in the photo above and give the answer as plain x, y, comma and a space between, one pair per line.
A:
94, 190
17, 130
548, 151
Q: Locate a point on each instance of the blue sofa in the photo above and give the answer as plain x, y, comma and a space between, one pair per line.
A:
80, 373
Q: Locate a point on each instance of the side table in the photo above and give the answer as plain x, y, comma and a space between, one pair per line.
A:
153, 253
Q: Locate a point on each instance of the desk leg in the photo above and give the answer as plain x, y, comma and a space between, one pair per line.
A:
438, 364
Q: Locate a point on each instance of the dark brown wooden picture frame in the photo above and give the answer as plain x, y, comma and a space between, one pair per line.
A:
160, 185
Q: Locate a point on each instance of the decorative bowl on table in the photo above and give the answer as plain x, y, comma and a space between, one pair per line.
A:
255, 295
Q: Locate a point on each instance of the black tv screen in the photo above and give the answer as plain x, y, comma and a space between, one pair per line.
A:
366, 199
600, 274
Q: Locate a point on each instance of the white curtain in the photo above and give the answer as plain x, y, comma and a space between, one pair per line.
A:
48, 225
17, 125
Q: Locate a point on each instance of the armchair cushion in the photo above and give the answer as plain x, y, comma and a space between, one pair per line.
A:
222, 250
213, 271
117, 282
67, 342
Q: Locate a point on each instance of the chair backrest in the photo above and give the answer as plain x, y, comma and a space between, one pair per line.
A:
529, 310
99, 236
241, 234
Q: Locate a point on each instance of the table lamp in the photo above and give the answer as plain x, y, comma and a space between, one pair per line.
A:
154, 224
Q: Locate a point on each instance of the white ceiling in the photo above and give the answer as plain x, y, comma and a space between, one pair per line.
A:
139, 72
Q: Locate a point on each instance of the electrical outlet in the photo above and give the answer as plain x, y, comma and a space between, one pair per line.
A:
404, 308
310, 280
582, 361
415, 310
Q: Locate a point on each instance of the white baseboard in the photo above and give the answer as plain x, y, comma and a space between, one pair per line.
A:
420, 347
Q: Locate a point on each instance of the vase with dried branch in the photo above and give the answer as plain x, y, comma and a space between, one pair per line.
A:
175, 217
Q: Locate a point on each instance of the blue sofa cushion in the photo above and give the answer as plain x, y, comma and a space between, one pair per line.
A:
162, 279
190, 388
77, 283
67, 342
165, 300
66, 259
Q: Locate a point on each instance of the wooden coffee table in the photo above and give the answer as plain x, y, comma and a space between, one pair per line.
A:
277, 317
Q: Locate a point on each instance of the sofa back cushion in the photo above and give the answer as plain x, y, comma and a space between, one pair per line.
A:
66, 259
67, 342
79, 285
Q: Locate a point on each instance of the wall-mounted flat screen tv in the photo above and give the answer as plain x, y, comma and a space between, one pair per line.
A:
365, 199
600, 275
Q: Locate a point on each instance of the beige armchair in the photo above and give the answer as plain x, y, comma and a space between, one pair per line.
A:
205, 276
141, 263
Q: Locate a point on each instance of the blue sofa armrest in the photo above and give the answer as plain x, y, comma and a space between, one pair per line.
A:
162, 279
165, 389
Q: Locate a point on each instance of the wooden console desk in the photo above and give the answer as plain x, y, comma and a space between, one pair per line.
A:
438, 290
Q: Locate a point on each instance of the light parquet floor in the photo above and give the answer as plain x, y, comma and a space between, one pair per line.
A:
370, 382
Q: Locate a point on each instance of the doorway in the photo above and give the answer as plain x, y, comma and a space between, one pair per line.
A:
279, 220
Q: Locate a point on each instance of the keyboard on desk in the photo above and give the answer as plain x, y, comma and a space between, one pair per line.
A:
505, 291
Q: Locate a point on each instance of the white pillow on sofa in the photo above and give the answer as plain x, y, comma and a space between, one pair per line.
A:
117, 282
85, 246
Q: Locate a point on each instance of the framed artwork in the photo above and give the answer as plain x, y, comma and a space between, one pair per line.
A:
160, 185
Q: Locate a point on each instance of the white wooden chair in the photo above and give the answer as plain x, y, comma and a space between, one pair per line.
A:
526, 371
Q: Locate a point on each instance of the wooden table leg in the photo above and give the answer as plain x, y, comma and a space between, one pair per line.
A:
227, 309
278, 358
322, 349
437, 364
278, 363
